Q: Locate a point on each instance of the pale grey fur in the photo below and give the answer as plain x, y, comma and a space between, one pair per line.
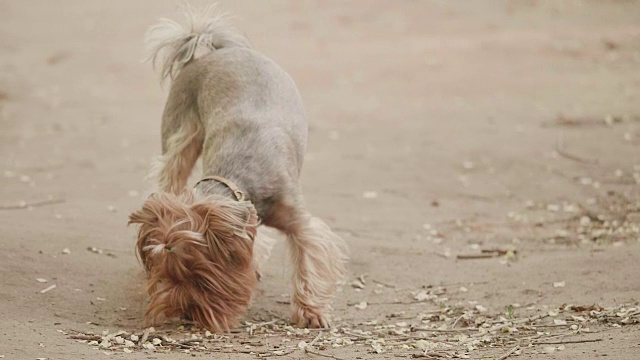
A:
244, 114
207, 30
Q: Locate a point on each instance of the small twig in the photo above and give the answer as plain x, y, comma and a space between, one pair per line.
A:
446, 330
309, 348
145, 335
530, 319
413, 338
509, 353
323, 355
48, 289
566, 342
314, 341
500, 252
188, 341
252, 343
389, 303
463, 283
358, 335
567, 325
456, 322
475, 256
562, 152
427, 355
242, 351
25, 205
276, 354
383, 284
85, 337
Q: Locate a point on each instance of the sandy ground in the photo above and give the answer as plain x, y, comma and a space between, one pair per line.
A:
437, 129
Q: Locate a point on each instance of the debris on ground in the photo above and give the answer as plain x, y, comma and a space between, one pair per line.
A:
435, 330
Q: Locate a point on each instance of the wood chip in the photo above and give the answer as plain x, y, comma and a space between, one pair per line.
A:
48, 289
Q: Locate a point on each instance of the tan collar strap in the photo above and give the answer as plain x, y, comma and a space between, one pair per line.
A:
228, 183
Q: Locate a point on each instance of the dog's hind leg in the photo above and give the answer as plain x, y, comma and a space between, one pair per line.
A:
319, 257
182, 140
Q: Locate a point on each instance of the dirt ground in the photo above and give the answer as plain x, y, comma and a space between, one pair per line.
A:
438, 129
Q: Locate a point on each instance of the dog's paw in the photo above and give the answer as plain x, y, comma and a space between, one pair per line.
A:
305, 317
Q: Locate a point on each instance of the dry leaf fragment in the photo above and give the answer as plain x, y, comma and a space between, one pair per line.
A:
128, 351
41, 280
425, 345
553, 208
369, 194
361, 305
424, 296
559, 322
94, 249
357, 284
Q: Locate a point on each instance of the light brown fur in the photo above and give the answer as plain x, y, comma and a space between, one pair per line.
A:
198, 254
243, 114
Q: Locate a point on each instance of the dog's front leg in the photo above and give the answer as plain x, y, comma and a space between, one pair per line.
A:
318, 256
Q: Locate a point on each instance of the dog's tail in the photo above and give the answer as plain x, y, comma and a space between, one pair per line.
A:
176, 44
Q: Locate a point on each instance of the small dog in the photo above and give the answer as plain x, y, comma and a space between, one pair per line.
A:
244, 115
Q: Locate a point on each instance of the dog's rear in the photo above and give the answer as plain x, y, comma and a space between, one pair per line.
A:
178, 44
172, 46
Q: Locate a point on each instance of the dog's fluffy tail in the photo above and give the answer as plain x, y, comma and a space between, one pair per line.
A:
176, 44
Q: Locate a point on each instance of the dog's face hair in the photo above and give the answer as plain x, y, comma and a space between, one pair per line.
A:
198, 256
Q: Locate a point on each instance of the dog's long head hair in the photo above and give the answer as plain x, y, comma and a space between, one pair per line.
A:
198, 256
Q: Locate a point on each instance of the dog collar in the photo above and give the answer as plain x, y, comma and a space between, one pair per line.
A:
226, 182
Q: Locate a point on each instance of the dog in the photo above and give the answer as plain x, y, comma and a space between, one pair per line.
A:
244, 116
